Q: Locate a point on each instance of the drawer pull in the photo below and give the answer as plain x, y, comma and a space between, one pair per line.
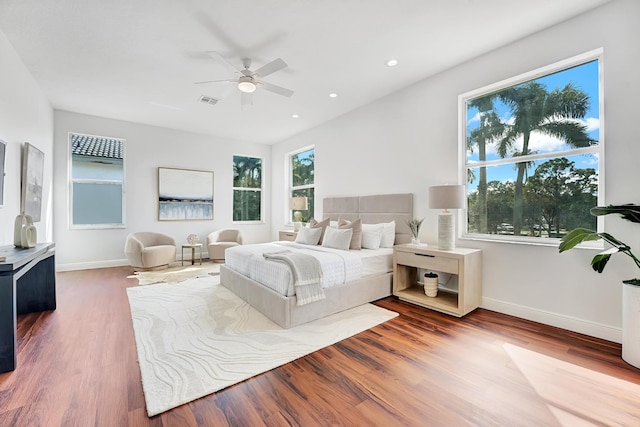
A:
427, 255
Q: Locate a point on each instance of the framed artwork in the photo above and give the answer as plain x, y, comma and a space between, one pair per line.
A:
32, 181
3, 151
184, 194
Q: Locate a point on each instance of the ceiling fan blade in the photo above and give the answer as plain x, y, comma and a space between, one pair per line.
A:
270, 68
225, 62
276, 89
216, 81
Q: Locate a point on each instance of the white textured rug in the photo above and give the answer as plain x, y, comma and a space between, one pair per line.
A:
196, 337
175, 273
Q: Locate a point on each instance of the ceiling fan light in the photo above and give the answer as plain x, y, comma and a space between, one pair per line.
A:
246, 84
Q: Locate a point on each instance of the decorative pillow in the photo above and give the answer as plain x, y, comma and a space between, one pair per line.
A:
371, 235
313, 223
337, 239
308, 236
356, 226
388, 235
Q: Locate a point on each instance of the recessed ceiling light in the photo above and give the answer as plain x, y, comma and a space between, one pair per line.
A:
333, 95
392, 62
295, 116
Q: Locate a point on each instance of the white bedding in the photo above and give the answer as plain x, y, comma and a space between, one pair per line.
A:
338, 266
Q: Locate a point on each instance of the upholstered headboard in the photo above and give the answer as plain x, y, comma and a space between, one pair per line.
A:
373, 209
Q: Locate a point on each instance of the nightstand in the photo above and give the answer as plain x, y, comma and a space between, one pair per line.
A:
286, 235
462, 268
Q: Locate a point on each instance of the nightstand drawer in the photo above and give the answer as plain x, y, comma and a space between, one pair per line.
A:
289, 236
428, 262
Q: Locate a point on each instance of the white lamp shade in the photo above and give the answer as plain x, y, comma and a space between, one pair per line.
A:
298, 203
446, 197
246, 84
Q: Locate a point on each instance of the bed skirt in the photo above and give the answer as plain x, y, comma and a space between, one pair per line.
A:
283, 310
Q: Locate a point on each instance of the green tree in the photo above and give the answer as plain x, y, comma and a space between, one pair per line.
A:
562, 191
489, 129
499, 204
534, 109
247, 183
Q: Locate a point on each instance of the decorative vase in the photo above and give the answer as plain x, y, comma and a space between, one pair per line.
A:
192, 239
415, 240
24, 232
631, 324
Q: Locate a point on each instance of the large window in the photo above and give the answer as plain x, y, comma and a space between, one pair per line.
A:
301, 182
97, 182
533, 150
247, 188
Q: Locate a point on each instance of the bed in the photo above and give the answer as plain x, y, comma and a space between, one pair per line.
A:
280, 306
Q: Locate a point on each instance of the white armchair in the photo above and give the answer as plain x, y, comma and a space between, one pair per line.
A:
147, 250
220, 240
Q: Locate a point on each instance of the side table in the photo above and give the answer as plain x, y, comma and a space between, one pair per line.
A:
193, 248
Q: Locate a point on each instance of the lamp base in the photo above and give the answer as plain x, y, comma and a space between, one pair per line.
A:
446, 231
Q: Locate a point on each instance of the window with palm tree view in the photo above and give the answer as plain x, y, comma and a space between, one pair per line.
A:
533, 151
301, 181
247, 188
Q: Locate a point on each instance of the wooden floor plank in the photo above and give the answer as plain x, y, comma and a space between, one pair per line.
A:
78, 365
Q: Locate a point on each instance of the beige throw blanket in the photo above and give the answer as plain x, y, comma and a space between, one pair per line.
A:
306, 273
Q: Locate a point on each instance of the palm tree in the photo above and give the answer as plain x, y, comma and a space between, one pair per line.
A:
552, 113
490, 128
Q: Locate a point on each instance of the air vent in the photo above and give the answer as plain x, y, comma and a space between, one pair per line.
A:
208, 100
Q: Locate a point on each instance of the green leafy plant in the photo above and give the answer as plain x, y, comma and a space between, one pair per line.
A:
629, 212
414, 226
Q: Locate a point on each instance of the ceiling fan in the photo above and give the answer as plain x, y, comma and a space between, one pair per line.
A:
248, 81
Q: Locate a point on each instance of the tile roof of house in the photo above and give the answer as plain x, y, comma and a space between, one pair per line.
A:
86, 145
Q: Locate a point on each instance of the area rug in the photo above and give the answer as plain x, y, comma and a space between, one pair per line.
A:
175, 274
196, 337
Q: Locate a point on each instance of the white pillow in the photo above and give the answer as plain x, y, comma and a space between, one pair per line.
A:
337, 239
308, 236
372, 235
388, 235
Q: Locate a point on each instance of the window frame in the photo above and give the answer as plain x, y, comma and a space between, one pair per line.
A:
261, 190
597, 150
291, 188
71, 182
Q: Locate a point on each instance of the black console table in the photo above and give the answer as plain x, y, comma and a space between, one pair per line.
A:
27, 284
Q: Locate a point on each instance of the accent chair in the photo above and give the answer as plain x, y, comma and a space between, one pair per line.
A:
220, 240
147, 250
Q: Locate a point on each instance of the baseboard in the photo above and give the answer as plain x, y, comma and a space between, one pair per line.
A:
92, 264
598, 330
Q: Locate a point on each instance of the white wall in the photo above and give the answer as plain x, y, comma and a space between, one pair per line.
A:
146, 149
25, 116
407, 142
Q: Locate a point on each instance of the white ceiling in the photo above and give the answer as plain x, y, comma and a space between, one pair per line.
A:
137, 60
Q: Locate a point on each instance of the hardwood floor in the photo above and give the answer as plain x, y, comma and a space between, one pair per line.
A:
77, 367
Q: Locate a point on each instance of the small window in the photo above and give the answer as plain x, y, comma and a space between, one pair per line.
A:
97, 181
302, 183
533, 149
247, 188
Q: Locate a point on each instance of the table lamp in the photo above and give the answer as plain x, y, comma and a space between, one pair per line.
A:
446, 197
297, 204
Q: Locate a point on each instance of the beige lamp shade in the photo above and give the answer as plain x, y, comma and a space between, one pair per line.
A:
446, 197
298, 203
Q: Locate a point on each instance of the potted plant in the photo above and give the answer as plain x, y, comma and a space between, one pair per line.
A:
414, 226
631, 287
